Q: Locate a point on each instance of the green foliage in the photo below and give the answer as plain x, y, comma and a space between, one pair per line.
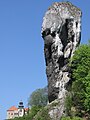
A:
74, 118
38, 98
34, 111
68, 104
81, 78
43, 115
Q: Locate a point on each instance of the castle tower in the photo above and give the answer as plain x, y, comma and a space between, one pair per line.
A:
20, 109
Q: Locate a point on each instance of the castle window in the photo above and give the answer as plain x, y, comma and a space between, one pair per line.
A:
15, 113
11, 113
20, 110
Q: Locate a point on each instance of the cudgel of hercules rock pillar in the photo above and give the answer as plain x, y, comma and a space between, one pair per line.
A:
61, 30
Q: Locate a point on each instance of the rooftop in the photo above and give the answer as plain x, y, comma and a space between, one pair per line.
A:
12, 108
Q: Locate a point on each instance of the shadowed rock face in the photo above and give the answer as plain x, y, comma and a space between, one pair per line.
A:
61, 30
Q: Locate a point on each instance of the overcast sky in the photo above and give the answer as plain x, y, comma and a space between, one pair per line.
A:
22, 64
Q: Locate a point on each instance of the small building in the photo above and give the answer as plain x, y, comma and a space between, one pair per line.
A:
13, 111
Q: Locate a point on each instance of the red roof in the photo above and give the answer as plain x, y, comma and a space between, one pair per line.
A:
12, 108
26, 109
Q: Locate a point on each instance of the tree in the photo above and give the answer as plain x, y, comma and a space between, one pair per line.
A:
81, 78
39, 97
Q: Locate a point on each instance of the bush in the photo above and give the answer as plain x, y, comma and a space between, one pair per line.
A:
74, 118
34, 111
42, 115
68, 104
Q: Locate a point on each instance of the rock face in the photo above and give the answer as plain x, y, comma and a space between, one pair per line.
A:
61, 31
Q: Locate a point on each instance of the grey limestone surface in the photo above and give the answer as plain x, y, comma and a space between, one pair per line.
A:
61, 31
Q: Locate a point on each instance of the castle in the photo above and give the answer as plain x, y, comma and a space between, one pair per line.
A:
13, 111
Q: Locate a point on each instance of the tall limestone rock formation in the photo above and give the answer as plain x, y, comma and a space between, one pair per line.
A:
61, 30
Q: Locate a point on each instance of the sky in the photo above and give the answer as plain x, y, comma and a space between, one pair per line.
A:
22, 64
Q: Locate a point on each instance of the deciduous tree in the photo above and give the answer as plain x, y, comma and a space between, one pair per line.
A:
81, 78
39, 97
